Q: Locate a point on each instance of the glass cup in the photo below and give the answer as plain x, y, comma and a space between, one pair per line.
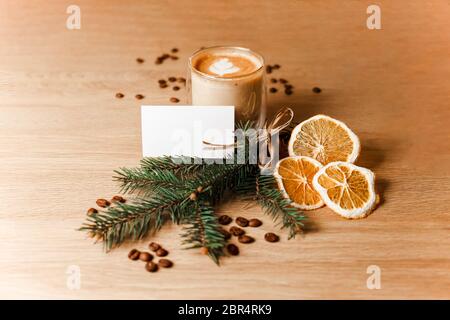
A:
246, 91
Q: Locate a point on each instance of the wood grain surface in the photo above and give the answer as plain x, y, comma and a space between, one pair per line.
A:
62, 133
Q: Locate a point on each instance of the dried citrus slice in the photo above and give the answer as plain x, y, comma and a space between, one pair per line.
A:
324, 139
346, 189
294, 176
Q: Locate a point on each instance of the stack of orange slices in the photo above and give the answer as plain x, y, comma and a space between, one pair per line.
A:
320, 169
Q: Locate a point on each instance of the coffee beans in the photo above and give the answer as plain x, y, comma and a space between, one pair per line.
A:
246, 239
176, 88
273, 90
236, 231
224, 219
255, 223
118, 199
145, 256
134, 254
139, 96
154, 246
241, 221
151, 266
165, 263
174, 100
316, 90
225, 233
172, 79
103, 203
163, 85
273, 80
161, 252
119, 95
140, 60
271, 237
233, 249
160, 59
91, 211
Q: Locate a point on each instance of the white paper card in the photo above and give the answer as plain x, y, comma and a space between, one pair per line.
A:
182, 130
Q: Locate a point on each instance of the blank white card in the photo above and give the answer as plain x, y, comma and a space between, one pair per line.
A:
183, 130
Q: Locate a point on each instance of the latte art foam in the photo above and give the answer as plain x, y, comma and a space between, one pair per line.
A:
225, 66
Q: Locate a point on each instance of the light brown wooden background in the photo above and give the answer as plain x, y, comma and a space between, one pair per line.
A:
62, 133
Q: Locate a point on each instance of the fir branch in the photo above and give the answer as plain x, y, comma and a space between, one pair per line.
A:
204, 231
135, 221
274, 204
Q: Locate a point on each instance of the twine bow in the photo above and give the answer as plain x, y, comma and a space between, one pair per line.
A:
281, 120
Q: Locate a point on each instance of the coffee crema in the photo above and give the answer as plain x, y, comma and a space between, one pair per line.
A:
225, 66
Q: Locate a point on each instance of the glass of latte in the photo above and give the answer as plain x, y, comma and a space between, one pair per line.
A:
228, 76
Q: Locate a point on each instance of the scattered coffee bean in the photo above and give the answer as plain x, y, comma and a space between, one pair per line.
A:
288, 92
174, 100
145, 256
176, 88
225, 233
316, 90
118, 199
236, 231
134, 254
174, 50
163, 85
139, 96
161, 252
224, 219
255, 223
273, 90
165, 263
151, 266
204, 250
172, 79
159, 61
271, 237
233, 249
181, 79
91, 211
241, 221
103, 203
140, 60
119, 95
245, 239
174, 57
165, 56
268, 69
283, 81
288, 86
276, 66
154, 246
273, 80
161, 81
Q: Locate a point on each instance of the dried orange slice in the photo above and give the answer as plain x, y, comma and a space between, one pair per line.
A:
324, 139
346, 189
294, 176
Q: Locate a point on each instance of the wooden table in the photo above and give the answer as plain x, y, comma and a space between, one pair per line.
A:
63, 132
